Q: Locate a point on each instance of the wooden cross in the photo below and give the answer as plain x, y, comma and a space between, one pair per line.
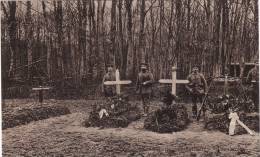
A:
40, 89
226, 81
225, 84
234, 118
117, 82
173, 81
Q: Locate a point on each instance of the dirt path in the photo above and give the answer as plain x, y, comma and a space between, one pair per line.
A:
65, 136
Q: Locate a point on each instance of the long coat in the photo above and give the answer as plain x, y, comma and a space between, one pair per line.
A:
144, 83
197, 83
109, 90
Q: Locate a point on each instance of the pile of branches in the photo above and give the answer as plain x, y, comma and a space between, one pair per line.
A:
221, 104
221, 122
250, 120
168, 119
239, 101
217, 122
120, 113
220, 109
22, 115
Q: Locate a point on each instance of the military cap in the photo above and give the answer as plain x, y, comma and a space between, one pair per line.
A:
195, 68
143, 66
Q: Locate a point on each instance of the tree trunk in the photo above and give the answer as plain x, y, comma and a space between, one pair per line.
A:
122, 49
113, 33
105, 54
59, 23
29, 37
216, 37
48, 40
12, 36
178, 29
129, 44
256, 30
141, 53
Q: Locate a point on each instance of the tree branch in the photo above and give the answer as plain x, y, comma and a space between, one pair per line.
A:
4, 9
151, 6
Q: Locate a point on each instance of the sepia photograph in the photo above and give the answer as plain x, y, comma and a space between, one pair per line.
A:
130, 78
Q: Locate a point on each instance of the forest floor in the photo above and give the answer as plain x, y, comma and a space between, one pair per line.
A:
66, 136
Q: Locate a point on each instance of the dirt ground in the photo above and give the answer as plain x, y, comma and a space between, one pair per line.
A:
65, 136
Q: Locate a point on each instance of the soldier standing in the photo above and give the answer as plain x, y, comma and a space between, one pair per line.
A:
109, 91
253, 80
144, 87
197, 87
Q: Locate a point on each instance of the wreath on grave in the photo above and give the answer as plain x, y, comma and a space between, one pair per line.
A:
219, 117
221, 104
169, 118
115, 112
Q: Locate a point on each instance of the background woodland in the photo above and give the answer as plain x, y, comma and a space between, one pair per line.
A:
68, 44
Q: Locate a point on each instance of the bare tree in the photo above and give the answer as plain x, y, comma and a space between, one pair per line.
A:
29, 37
113, 32
12, 30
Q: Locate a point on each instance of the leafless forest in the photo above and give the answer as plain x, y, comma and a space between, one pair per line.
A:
72, 42
54, 54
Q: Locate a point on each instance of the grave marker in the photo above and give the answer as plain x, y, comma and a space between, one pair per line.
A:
234, 118
40, 89
117, 82
174, 80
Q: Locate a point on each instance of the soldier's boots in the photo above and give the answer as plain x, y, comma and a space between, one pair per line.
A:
146, 110
144, 107
194, 110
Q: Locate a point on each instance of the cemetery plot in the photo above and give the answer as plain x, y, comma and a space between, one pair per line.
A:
218, 119
168, 119
221, 122
235, 100
118, 82
116, 112
65, 136
26, 113
173, 81
220, 104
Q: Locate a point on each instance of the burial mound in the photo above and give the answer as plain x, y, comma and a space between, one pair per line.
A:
31, 112
115, 112
219, 108
221, 122
167, 119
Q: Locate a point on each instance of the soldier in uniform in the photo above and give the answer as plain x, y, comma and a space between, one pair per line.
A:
109, 91
253, 80
197, 87
144, 87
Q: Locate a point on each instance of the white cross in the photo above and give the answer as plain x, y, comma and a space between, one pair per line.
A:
234, 118
173, 81
117, 82
225, 84
226, 81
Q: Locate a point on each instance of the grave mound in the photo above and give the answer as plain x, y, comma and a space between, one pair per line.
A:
32, 112
221, 122
115, 112
221, 104
167, 119
219, 108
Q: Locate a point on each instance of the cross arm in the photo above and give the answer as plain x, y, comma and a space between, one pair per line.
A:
182, 81
116, 82
41, 88
170, 81
165, 81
